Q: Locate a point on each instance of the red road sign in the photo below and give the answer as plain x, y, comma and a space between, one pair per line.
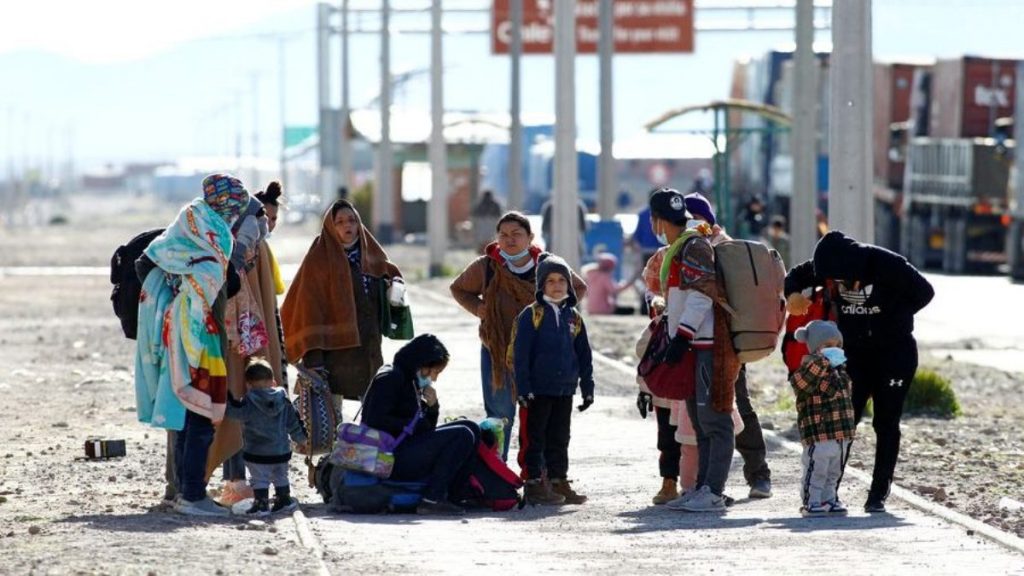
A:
641, 26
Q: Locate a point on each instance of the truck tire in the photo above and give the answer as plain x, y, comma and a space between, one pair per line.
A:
954, 250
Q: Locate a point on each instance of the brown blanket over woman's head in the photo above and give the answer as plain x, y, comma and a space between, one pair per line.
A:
319, 309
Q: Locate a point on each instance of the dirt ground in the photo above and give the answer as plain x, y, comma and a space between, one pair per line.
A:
66, 372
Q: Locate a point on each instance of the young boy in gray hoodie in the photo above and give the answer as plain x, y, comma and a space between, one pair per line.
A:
268, 419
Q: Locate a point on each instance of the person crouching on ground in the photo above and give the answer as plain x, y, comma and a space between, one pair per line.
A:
550, 358
825, 417
268, 419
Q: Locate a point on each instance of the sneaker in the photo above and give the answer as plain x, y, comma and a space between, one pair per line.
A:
677, 504
539, 492
761, 488
205, 507
704, 500
874, 505
836, 508
285, 505
234, 492
668, 492
563, 488
260, 507
438, 508
814, 510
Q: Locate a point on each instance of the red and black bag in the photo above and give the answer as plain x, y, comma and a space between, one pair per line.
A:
491, 484
666, 380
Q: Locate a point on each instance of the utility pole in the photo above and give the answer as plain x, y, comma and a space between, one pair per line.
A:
850, 181
346, 142
328, 120
564, 225
515, 132
804, 197
1015, 235
437, 223
281, 96
607, 183
255, 79
382, 198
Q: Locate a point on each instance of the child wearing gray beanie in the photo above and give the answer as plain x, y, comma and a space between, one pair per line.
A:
824, 408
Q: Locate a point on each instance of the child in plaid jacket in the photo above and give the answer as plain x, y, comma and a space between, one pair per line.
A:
825, 417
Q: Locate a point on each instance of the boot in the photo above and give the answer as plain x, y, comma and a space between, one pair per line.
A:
562, 487
667, 493
538, 492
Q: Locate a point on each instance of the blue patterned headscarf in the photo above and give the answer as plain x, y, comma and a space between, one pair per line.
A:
226, 195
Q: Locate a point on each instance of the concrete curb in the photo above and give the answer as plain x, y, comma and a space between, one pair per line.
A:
309, 540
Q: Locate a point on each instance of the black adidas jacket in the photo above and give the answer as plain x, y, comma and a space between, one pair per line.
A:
875, 292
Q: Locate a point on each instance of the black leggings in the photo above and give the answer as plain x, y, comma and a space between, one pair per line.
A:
883, 373
440, 457
670, 450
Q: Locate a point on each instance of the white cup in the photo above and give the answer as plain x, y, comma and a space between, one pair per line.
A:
396, 293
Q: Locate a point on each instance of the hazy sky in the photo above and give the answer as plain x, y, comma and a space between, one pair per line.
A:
155, 80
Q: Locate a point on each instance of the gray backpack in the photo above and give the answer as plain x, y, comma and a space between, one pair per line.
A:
753, 275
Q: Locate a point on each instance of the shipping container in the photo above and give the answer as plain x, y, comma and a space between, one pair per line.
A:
900, 93
969, 94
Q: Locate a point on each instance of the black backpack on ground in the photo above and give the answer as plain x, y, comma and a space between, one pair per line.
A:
127, 286
491, 484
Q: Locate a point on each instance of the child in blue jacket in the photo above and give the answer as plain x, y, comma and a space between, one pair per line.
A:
550, 357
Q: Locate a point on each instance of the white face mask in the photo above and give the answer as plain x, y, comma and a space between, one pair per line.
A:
551, 300
693, 223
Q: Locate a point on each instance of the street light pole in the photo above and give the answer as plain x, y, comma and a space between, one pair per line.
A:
437, 224
606, 166
803, 199
382, 198
850, 180
515, 132
346, 143
564, 227
328, 123
282, 93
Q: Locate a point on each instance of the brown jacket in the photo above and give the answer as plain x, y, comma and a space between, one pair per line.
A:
496, 322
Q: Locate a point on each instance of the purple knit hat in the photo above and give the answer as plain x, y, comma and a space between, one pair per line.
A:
700, 207
225, 194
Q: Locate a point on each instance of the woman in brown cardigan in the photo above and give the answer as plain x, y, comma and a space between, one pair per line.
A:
331, 314
495, 288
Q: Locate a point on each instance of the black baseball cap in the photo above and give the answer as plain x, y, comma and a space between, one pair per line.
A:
669, 204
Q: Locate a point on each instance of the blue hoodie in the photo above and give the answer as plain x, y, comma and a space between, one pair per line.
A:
268, 418
550, 349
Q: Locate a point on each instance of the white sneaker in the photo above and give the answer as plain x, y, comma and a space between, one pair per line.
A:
205, 507
704, 500
677, 503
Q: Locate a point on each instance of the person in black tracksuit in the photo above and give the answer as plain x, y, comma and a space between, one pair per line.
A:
875, 294
401, 396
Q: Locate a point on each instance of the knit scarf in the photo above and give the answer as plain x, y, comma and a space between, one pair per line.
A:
179, 361
498, 321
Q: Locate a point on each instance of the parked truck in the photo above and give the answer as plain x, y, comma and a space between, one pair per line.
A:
949, 211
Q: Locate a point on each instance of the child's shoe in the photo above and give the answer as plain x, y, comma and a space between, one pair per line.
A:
234, 492
836, 508
704, 500
260, 507
538, 492
284, 504
668, 492
562, 487
814, 510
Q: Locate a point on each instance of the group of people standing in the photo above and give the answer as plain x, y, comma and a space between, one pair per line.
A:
213, 349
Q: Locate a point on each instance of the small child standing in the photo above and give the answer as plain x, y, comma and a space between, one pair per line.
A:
269, 419
825, 417
551, 357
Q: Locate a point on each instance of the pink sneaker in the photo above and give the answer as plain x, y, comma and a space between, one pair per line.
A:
234, 492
